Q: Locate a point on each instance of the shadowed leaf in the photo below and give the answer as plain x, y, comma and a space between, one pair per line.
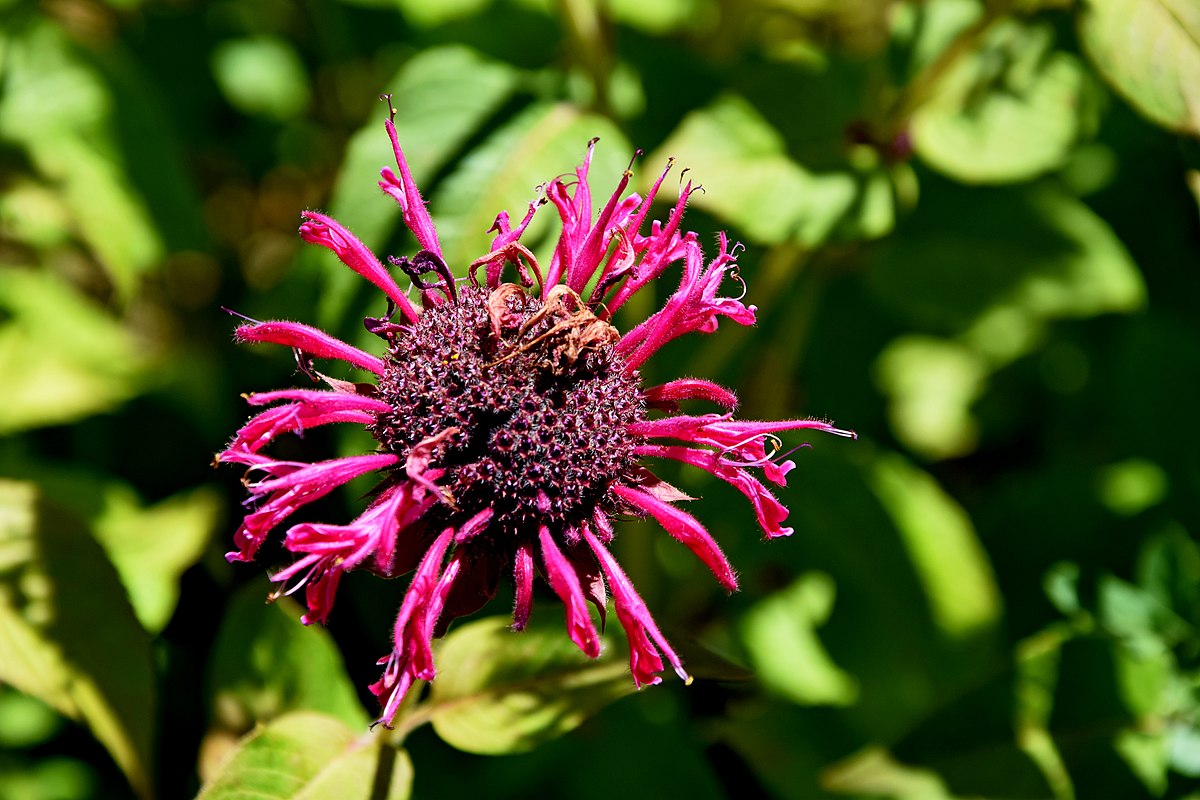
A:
68, 636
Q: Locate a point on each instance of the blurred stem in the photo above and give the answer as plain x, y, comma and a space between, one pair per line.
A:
586, 30
792, 273
407, 722
923, 84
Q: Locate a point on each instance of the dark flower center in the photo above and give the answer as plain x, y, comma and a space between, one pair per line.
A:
539, 400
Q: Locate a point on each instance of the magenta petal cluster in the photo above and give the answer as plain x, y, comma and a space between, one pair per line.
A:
511, 423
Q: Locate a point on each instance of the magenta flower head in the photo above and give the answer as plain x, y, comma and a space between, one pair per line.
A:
512, 424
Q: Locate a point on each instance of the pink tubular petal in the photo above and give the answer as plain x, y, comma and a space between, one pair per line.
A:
420, 589
523, 578
684, 527
740, 439
309, 340
644, 660
591, 581
329, 233
311, 409
565, 584
292, 486
668, 395
405, 192
770, 512
421, 642
426, 592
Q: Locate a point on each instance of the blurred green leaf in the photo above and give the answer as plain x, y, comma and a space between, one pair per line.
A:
1133, 485
265, 663
261, 75
1015, 259
873, 772
973, 746
780, 635
503, 174
152, 546
1012, 108
932, 384
427, 15
442, 96
942, 544
1168, 568
67, 634
64, 358
71, 143
751, 182
1150, 51
308, 756
662, 16
24, 720
499, 691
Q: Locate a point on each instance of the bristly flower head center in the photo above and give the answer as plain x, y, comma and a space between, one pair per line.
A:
536, 398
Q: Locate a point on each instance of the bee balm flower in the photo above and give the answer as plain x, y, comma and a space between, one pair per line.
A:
512, 424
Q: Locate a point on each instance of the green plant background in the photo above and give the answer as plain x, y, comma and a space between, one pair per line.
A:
972, 233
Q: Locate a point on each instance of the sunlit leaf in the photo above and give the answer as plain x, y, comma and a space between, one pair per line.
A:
932, 384
261, 75
751, 182
1150, 51
941, 541
1012, 108
427, 15
503, 692
265, 663
67, 634
309, 756
780, 635
152, 546
874, 772
71, 144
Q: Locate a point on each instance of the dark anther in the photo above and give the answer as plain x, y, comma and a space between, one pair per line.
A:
423, 262
304, 363
383, 327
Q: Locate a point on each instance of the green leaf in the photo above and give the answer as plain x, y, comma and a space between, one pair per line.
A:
307, 756
442, 97
941, 541
499, 691
1149, 50
751, 182
1015, 259
71, 145
265, 663
64, 358
932, 385
1011, 109
152, 546
261, 75
503, 174
780, 635
67, 634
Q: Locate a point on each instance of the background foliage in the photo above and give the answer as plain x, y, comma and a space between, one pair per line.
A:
972, 234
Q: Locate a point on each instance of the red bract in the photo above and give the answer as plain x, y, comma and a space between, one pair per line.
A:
511, 424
